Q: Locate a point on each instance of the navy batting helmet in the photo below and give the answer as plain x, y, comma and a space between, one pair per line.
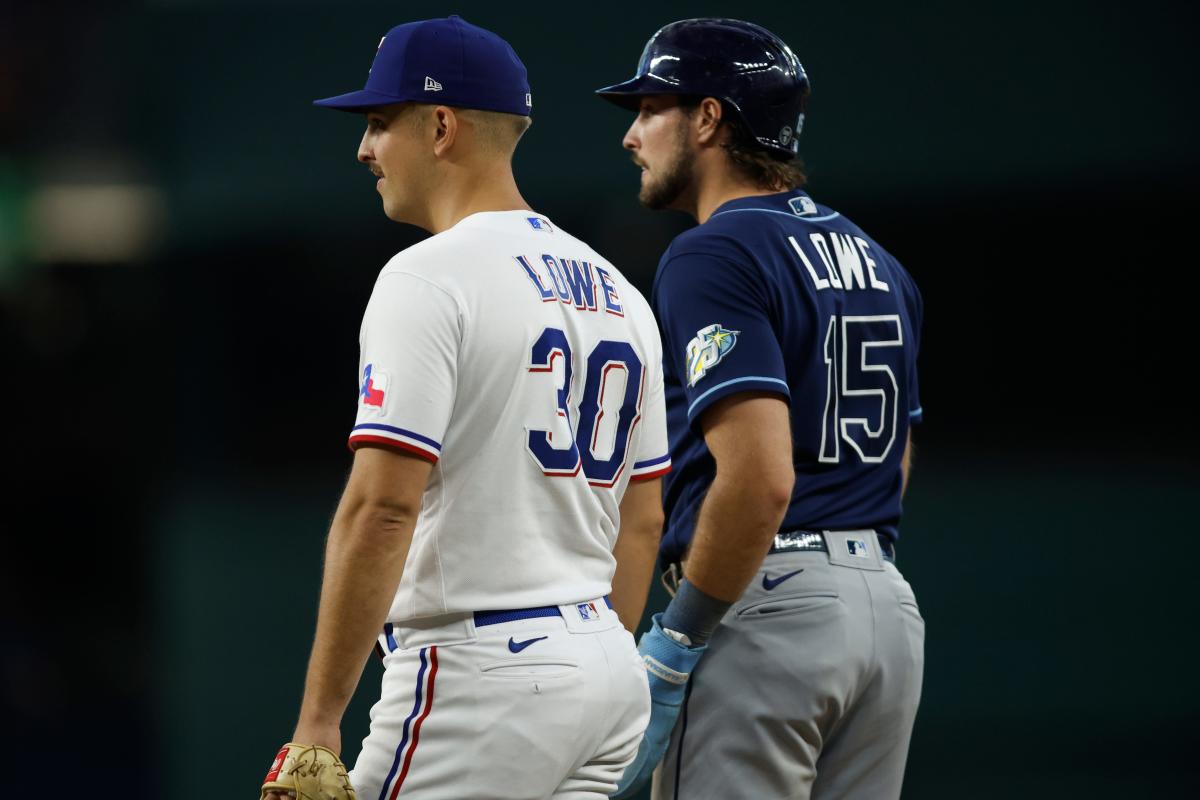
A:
741, 63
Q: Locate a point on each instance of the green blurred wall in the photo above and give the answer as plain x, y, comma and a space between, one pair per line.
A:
914, 98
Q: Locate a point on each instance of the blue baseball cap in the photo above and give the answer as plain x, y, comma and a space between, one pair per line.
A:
445, 61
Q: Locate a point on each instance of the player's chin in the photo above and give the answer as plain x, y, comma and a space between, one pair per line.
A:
645, 188
652, 197
393, 210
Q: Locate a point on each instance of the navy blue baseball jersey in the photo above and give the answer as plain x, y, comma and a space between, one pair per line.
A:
779, 294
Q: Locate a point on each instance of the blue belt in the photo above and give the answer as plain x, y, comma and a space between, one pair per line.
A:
485, 618
513, 614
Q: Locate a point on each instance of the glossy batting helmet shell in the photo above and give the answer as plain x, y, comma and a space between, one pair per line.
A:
741, 63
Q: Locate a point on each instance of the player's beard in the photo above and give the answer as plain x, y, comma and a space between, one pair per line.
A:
673, 178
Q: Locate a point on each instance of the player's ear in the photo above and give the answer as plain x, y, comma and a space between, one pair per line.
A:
446, 125
706, 120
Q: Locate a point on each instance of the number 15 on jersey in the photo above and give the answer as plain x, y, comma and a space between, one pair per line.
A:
861, 392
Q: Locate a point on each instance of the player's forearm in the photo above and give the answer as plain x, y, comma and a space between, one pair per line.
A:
636, 551
737, 523
364, 560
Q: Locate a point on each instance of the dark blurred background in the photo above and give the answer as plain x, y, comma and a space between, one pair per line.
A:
186, 247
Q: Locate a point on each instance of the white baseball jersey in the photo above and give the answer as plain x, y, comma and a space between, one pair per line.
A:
529, 371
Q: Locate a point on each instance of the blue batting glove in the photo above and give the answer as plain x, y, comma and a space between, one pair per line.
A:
669, 664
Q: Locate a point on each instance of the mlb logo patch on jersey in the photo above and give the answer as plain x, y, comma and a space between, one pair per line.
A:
587, 611
373, 391
705, 351
857, 548
540, 224
802, 206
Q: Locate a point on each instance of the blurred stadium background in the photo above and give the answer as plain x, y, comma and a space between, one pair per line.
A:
186, 246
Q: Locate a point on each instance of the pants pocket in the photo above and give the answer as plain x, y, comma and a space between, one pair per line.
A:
786, 605
524, 668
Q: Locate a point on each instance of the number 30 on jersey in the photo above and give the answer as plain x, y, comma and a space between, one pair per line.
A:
605, 396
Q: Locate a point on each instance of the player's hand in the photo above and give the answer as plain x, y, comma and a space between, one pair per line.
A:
306, 771
669, 664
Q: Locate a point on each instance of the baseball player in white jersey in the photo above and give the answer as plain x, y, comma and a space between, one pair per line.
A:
510, 434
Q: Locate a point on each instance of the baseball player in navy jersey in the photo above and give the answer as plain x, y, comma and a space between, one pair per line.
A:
790, 340
510, 435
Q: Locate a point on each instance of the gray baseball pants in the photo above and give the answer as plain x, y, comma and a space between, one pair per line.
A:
810, 685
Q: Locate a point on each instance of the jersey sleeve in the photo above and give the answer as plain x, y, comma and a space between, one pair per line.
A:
717, 333
408, 366
652, 457
916, 311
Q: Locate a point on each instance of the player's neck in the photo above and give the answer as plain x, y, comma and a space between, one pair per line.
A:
467, 192
719, 189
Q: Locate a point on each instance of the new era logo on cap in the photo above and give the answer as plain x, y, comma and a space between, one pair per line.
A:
431, 85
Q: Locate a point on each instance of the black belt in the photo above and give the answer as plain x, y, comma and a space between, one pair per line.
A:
801, 540
785, 542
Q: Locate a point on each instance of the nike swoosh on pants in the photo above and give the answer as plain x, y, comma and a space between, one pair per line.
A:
771, 583
516, 647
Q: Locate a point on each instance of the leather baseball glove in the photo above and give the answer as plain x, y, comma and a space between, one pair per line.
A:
309, 771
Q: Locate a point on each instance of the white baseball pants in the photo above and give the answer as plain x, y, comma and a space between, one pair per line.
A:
543, 707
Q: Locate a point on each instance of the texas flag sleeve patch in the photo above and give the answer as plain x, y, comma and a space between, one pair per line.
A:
407, 366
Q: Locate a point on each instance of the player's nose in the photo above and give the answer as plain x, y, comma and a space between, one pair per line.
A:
631, 140
365, 151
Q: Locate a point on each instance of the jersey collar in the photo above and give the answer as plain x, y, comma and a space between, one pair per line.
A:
793, 201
